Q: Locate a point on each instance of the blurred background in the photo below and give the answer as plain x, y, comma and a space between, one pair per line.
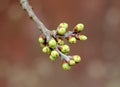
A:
22, 63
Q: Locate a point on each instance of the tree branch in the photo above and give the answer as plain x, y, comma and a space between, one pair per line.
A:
51, 43
26, 6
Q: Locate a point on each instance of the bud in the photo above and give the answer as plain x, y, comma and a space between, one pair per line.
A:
52, 58
81, 37
72, 40
66, 66
60, 41
54, 32
46, 49
63, 25
42, 45
72, 62
41, 39
77, 58
64, 49
61, 31
54, 54
79, 27
52, 43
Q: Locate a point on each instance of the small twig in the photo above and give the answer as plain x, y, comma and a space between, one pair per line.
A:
25, 5
68, 34
63, 56
52, 40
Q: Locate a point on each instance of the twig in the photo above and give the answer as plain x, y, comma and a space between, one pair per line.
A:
63, 56
51, 37
26, 6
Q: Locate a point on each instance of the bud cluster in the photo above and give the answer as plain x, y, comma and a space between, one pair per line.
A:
56, 46
66, 65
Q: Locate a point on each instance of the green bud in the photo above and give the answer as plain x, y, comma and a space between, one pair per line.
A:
60, 42
72, 40
66, 66
79, 27
77, 58
46, 50
42, 45
65, 49
53, 31
72, 62
52, 43
61, 31
41, 39
54, 54
63, 25
52, 58
82, 37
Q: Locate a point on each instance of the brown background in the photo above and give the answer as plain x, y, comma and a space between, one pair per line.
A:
22, 64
